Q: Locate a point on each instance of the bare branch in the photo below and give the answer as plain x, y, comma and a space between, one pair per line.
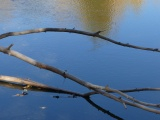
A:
140, 89
120, 92
125, 91
29, 84
77, 32
9, 47
96, 88
105, 91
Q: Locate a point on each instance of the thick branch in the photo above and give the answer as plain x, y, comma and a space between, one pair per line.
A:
14, 82
96, 34
96, 88
44, 66
31, 84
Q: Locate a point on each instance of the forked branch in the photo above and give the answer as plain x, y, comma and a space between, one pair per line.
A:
127, 100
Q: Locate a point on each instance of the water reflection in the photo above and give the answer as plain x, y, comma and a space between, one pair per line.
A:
82, 14
6, 8
21, 87
104, 14
103, 110
92, 15
99, 15
137, 4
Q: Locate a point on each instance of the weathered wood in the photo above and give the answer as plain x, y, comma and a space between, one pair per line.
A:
96, 34
99, 89
105, 91
29, 84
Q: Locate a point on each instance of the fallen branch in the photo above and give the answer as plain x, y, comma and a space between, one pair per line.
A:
26, 83
99, 89
96, 34
22, 84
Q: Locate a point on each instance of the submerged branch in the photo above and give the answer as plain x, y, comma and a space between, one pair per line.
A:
103, 110
96, 34
19, 83
26, 83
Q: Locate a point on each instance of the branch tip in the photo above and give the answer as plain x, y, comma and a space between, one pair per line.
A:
9, 47
98, 32
107, 88
156, 49
124, 105
64, 74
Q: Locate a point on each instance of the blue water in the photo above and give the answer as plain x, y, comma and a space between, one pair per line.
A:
91, 59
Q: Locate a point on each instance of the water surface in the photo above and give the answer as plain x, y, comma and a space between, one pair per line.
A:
94, 60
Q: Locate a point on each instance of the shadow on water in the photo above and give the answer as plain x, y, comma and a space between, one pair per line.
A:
36, 89
103, 110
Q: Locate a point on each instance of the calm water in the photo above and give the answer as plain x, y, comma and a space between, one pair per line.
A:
92, 59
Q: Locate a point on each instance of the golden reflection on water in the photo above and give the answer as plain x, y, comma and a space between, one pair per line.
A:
136, 3
104, 14
5, 7
93, 15
90, 15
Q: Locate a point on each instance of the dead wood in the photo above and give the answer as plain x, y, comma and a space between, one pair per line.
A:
99, 89
26, 83
121, 96
96, 34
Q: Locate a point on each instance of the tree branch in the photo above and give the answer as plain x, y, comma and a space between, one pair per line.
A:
30, 84
96, 34
99, 89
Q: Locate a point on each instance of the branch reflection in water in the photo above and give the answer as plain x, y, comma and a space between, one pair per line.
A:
18, 86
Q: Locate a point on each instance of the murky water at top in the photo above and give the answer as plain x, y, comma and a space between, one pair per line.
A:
91, 59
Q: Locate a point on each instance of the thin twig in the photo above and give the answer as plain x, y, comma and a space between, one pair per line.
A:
9, 47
